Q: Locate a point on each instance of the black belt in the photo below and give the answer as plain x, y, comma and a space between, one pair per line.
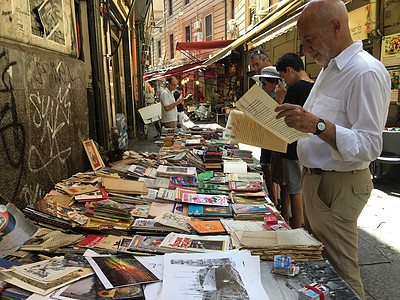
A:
313, 171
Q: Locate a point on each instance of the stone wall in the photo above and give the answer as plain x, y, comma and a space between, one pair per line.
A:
43, 120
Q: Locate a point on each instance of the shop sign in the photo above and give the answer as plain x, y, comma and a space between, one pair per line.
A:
359, 23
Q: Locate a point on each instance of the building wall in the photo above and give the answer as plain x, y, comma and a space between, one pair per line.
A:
43, 99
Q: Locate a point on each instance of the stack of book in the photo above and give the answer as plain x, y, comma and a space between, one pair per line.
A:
245, 186
213, 159
246, 155
250, 211
212, 188
168, 171
298, 244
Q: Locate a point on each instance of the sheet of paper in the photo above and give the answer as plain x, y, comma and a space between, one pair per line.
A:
257, 104
200, 276
242, 129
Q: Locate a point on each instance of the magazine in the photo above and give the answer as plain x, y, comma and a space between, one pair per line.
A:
15, 229
175, 242
108, 269
218, 200
175, 221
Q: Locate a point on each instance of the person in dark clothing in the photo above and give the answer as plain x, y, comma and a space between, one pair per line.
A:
291, 68
181, 109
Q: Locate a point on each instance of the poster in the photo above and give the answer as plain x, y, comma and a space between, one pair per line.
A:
390, 53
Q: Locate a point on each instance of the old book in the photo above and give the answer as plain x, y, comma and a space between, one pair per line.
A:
207, 226
81, 189
203, 199
200, 211
157, 208
94, 196
32, 278
261, 108
167, 171
166, 194
50, 240
146, 243
175, 221
245, 186
124, 186
187, 243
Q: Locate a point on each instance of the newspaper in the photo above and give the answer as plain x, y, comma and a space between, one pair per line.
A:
258, 105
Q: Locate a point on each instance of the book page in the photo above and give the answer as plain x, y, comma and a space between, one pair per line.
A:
257, 104
243, 129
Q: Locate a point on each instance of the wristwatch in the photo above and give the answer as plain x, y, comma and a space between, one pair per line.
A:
321, 126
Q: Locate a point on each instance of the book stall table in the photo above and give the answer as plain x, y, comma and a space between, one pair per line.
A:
171, 224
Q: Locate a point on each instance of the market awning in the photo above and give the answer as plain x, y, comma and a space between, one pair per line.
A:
183, 68
149, 75
203, 45
176, 70
283, 8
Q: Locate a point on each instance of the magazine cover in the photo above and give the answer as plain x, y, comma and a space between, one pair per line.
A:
174, 220
209, 211
15, 229
218, 200
117, 271
250, 208
245, 186
207, 226
195, 243
145, 243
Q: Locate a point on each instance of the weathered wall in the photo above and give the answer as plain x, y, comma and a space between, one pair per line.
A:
43, 120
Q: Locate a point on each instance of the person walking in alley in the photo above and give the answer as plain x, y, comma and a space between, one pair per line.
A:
168, 103
345, 115
259, 60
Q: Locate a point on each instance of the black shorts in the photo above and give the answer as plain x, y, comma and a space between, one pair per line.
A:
265, 158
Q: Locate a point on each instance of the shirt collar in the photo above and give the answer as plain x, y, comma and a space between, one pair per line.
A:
347, 54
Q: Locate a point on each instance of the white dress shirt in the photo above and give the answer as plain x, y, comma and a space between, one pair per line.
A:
166, 99
352, 92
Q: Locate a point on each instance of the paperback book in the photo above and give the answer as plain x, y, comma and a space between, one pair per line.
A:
201, 211
245, 186
218, 200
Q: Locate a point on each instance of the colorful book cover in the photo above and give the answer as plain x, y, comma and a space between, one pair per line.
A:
250, 208
117, 271
209, 211
91, 241
245, 186
219, 179
207, 226
180, 191
213, 186
248, 200
95, 196
210, 191
219, 200
145, 243
181, 181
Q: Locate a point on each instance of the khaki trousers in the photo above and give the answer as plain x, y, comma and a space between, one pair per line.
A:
171, 124
332, 203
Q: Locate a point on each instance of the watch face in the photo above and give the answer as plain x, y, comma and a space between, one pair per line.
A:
321, 126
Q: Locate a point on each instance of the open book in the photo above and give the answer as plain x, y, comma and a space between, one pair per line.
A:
259, 106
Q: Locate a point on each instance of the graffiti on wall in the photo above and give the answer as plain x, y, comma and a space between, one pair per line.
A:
34, 146
50, 114
12, 132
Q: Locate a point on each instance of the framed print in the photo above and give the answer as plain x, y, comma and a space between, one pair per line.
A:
93, 154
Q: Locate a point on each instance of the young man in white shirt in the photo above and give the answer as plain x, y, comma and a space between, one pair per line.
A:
345, 115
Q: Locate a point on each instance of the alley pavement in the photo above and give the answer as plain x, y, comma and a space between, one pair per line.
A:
378, 227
